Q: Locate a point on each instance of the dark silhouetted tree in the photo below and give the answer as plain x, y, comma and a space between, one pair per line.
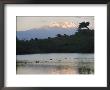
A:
59, 35
84, 25
36, 39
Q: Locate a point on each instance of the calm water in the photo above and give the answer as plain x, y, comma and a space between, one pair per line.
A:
55, 63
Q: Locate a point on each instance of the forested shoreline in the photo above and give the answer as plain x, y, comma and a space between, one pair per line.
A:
80, 42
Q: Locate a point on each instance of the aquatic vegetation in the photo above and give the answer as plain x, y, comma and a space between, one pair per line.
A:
86, 67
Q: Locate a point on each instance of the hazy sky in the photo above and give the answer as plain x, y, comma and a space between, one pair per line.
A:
29, 22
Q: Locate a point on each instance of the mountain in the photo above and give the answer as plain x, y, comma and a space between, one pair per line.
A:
44, 32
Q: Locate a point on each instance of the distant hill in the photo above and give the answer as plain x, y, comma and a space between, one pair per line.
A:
44, 32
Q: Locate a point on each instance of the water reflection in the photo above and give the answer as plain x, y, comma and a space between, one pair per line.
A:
46, 69
56, 64
64, 70
86, 68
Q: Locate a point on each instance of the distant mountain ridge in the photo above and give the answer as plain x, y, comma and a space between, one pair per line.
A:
43, 33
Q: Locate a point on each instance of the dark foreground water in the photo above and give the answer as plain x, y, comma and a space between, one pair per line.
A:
65, 63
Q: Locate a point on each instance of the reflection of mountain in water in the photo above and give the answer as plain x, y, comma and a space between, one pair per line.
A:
42, 33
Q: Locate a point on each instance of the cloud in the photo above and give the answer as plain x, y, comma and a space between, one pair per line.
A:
64, 24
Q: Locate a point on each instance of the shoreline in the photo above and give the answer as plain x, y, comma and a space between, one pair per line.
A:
57, 63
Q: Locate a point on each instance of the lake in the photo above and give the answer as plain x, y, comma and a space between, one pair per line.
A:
55, 63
